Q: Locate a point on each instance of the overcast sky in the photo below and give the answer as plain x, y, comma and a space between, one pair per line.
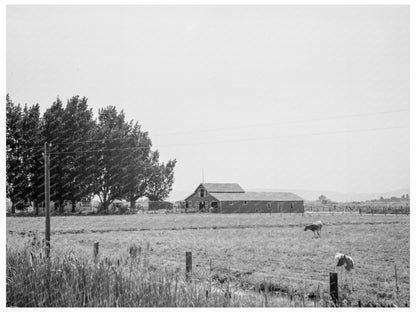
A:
270, 97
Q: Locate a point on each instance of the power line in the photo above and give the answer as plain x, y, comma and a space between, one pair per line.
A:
40, 147
291, 136
95, 141
102, 150
241, 140
240, 127
282, 122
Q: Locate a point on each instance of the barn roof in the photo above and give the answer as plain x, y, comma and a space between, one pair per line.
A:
257, 196
223, 188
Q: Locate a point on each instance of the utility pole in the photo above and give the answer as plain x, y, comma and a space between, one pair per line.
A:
47, 201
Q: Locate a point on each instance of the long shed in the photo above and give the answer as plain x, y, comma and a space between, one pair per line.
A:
231, 198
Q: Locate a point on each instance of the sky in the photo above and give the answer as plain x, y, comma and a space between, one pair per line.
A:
270, 97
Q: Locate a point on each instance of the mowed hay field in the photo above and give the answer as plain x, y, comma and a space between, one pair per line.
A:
253, 248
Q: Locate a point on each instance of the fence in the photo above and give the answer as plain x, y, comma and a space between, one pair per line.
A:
325, 292
363, 208
222, 284
310, 207
331, 287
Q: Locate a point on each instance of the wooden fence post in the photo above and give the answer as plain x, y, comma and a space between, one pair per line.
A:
304, 293
47, 200
96, 247
133, 251
397, 285
188, 264
333, 287
318, 295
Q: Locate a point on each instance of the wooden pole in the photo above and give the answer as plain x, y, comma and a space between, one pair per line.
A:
47, 201
188, 264
397, 285
304, 292
333, 287
96, 248
318, 295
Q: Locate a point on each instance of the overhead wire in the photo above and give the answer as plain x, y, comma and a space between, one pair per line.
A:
104, 140
238, 127
232, 140
289, 136
281, 123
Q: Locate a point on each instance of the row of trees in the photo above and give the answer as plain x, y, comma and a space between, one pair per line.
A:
109, 156
404, 197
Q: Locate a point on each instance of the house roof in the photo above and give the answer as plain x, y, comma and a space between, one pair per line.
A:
223, 188
257, 196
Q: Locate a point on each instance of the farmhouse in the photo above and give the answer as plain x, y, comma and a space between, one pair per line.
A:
231, 198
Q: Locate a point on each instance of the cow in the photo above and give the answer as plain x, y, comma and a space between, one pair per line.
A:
346, 262
315, 228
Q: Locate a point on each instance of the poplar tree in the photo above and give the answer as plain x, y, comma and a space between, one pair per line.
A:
33, 162
137, 171
15, 177
110, 156
54, 133
161, 178
79, 125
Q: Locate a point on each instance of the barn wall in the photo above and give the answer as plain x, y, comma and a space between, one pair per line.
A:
195, 198
261, 207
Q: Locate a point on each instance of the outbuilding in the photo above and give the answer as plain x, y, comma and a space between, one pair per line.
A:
231, 198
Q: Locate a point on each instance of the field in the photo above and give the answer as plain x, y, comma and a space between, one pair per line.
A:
253, 249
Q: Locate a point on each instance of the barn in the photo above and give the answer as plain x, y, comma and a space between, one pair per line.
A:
231, 198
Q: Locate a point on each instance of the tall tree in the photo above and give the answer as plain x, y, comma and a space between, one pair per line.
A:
161, 178
112, 134
55, 133
79, 125
32, 154
138, 167
16, 181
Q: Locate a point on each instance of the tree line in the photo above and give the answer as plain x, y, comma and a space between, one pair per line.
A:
107, 156
404, 197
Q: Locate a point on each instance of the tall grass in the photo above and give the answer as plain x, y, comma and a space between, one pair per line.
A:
68, 281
